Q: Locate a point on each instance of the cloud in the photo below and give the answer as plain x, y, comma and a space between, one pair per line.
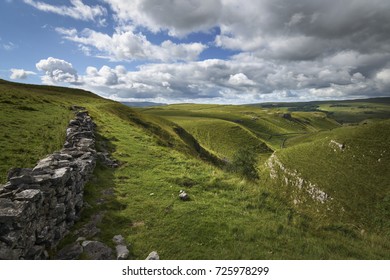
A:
279, 29
9, 46
383, 79
176, 16
240, 79
284, 50
78, 10
20, 74
56, 71
127, 46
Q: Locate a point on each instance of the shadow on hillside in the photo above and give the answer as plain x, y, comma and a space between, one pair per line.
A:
99, 201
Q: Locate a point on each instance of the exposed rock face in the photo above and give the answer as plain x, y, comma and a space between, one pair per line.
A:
294, 179
336, 146
39, 205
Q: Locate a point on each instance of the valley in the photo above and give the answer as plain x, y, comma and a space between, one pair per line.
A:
265, 181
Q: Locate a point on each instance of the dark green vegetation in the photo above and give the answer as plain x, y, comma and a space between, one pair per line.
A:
200, 149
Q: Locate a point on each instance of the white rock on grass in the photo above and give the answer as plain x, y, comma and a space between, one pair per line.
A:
183, 195
122, 252
119, 240
153, 256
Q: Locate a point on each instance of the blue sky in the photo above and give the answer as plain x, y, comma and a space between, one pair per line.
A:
214, 51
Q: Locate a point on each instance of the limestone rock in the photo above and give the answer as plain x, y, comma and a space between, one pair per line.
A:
30, 195
96, 250
122, 252
119, 240
16, 172
184, 196
70, 252
153, 256
38, 206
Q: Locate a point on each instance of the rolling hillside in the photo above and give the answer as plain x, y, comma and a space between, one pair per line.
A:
166, 149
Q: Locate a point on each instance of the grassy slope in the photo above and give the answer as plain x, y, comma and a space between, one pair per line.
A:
213, 134
33, 120
226, 218
357, 177
268, 125
354, 178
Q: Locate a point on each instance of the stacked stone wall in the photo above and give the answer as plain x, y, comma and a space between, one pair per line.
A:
38, 206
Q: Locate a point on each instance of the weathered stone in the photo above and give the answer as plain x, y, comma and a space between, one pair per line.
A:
59, 210
183, 195
90, 229
30, 195
10, 210
70, 252
60, 231
96, 250
43, 233
42, 178
119, 240
11, 238
122, 253
4, 193
153, 256
61, 175
16, 172
24, 179
39, 205
81, 239
7, 253
35, 252
43, 165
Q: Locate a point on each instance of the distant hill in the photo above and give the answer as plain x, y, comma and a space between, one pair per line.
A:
143, 104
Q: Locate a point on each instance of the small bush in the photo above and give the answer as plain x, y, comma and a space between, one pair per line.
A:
244, 162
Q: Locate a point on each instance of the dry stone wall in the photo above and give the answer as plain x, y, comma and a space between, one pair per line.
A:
39, 205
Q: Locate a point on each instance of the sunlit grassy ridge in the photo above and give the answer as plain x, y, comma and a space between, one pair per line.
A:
227, 217
356, 176
271, 126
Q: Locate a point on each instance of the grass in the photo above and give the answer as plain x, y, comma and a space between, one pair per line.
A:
212, 134
361, 186
227, 217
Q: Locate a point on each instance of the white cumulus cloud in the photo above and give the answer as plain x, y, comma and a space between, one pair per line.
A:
57, 70
20, 74
240, 79
127, 45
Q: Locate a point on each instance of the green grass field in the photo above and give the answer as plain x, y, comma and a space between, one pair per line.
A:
166, 149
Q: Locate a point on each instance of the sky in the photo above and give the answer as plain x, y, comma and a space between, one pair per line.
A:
200, 51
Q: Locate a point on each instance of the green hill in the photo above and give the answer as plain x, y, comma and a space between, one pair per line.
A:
163, 150
350, 164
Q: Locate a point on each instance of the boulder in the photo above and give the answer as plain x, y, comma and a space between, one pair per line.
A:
70, 252
96, 250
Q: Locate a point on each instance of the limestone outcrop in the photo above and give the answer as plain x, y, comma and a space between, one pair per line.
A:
38, 206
